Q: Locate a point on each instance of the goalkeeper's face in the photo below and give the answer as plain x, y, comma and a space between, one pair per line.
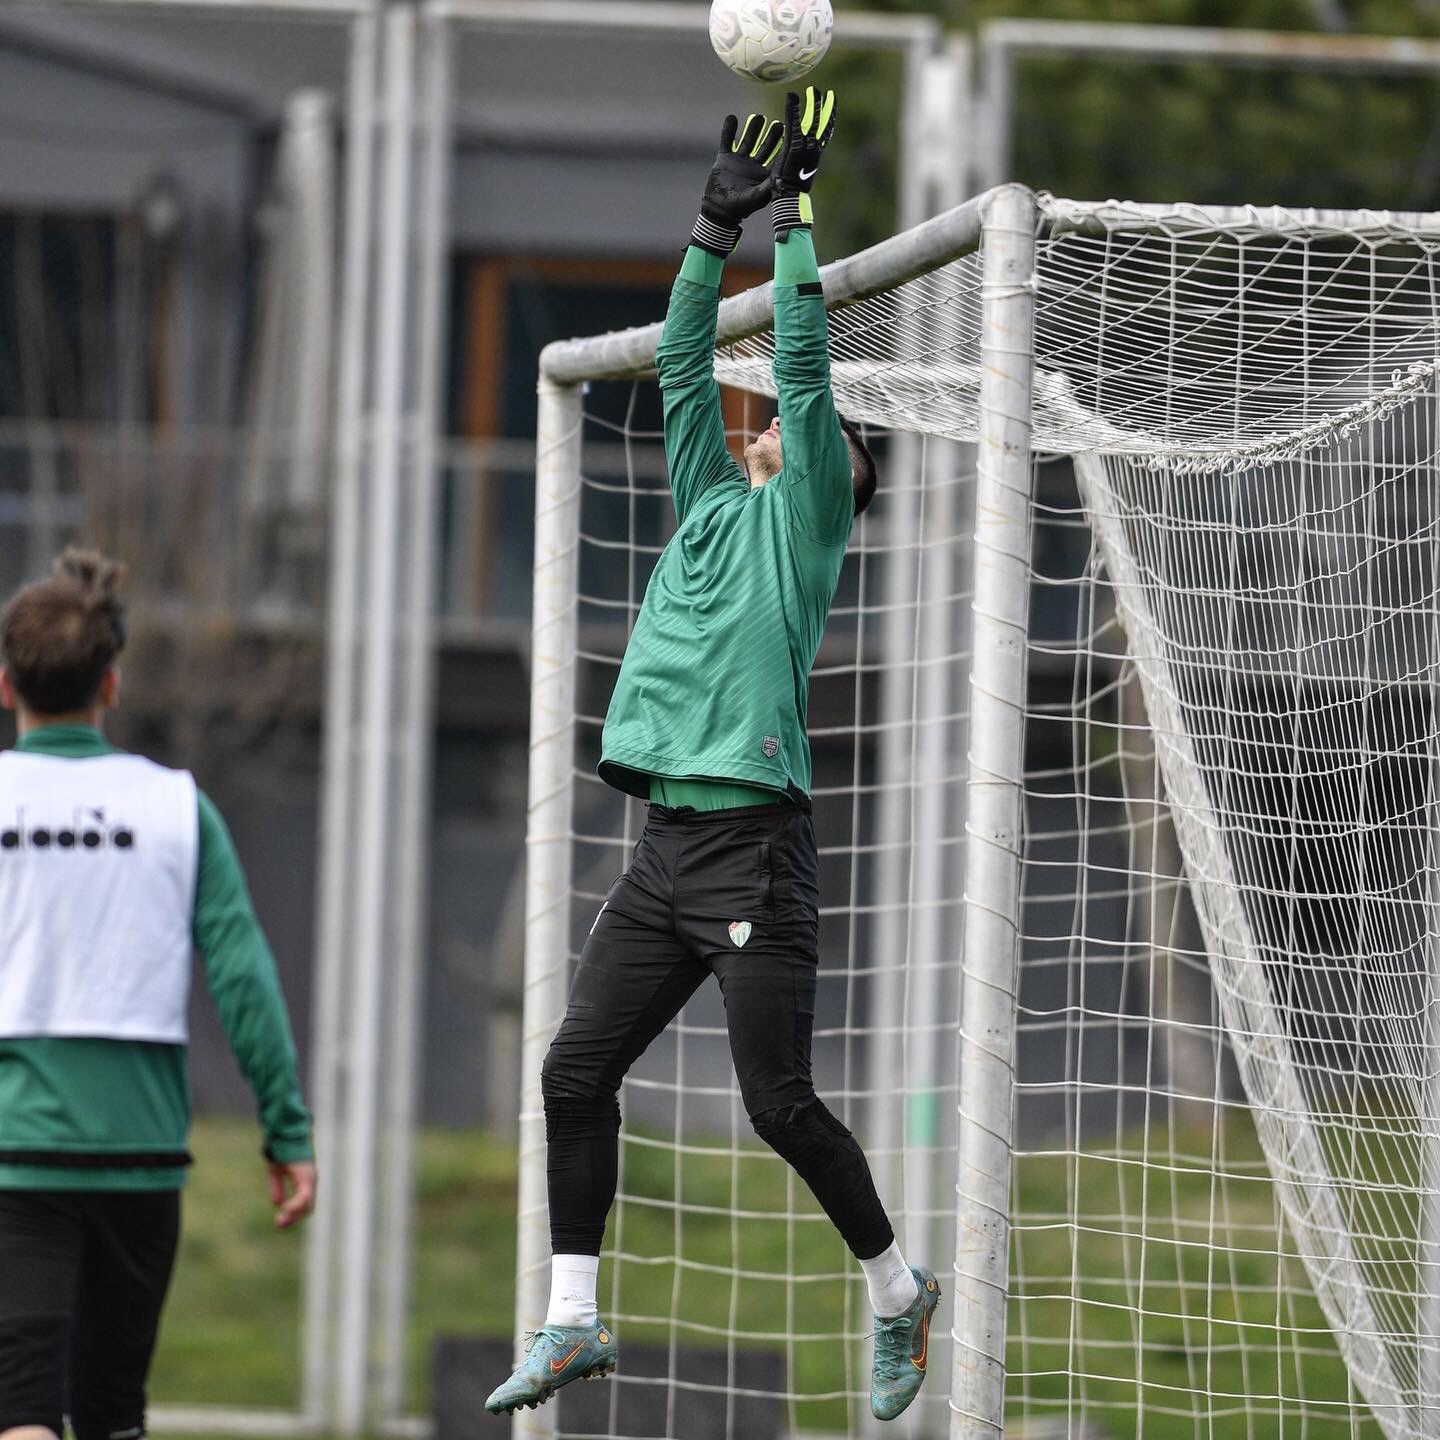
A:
763, 458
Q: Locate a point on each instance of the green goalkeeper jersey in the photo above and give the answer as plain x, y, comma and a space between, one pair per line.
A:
715, 682
68, 1103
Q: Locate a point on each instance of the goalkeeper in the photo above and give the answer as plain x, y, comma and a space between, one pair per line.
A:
707, 723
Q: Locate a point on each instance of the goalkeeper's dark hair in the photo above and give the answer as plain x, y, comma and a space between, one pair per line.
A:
863, 476
59, 636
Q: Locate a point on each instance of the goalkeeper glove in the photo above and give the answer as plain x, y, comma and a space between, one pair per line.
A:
739, 182
807, 132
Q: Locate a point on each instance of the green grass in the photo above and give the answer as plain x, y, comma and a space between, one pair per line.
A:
237, 1283
1170, 1299
1138, 1309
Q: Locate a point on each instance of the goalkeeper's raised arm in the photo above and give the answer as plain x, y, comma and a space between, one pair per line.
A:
818, 468
739, 184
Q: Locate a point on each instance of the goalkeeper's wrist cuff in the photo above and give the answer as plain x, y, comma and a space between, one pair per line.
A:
787, 213
712, 235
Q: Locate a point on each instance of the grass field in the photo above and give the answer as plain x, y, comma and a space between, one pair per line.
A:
231, 1332
1116, 1315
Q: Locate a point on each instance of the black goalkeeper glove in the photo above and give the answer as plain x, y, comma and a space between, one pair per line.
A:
808, 129
739, 182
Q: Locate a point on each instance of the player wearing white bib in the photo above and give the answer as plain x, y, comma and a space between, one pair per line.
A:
114, 871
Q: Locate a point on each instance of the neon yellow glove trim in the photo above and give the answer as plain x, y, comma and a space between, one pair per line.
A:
827, 109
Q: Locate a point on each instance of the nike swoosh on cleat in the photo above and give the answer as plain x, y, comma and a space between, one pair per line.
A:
924, 1343
809, 174
556, 1366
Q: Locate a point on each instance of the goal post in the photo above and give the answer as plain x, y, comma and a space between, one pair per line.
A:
1168, 710
990, 987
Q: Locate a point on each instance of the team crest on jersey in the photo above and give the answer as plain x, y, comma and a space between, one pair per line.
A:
771, 746
739, 932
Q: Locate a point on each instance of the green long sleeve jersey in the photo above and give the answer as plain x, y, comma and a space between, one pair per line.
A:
75, 1101
716, 678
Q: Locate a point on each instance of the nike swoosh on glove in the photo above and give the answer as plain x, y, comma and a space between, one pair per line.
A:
808, 129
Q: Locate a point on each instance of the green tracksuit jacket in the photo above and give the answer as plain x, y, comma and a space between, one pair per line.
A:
715, 682
84, 1099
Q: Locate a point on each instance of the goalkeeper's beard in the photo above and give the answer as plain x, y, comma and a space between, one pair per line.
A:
763, 459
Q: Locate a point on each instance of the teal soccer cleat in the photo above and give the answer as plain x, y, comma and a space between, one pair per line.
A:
554, 1356
902, 1346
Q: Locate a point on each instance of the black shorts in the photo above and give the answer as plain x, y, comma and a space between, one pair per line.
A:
83, 1276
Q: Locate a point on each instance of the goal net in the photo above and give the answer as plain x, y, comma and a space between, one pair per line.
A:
1191, 1184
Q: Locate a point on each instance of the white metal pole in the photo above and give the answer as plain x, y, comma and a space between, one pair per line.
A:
417, 715
548, 857
332, 930
993, 870
890, 932
373, 934
914, 202
953, 80
1003, 42
1427, 1248
928, 1067
310, 124
994, 109
890, 935
1296, 49
924, 1063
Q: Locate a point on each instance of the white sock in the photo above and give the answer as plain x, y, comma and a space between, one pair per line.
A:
892, 1285
573, 1279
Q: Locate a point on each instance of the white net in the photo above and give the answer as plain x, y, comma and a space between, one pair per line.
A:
1272, 561
1249, 399
1226, 1216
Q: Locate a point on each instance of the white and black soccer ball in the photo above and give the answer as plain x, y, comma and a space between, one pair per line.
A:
771, 40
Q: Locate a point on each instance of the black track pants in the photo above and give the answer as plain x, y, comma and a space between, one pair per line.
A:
729, 893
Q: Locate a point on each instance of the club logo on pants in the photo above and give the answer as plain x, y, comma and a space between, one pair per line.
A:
739, 932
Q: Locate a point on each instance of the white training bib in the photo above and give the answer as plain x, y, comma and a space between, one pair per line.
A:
98, 862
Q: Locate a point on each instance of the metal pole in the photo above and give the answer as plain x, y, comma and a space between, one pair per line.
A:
1300, 49
416, 724
1002, 42
895, 771
927, 1072
906, 1067
310, 126
658, 16
373, 916
332, 931
890, 933
548, 855
912, 201
924, 1075
955, 81
994, 110
890, 937
997, 755
1427, 1249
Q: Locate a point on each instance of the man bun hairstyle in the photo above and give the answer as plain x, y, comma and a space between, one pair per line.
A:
863, 476
59, 636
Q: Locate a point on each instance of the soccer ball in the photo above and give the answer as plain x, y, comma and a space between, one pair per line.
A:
774, 40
